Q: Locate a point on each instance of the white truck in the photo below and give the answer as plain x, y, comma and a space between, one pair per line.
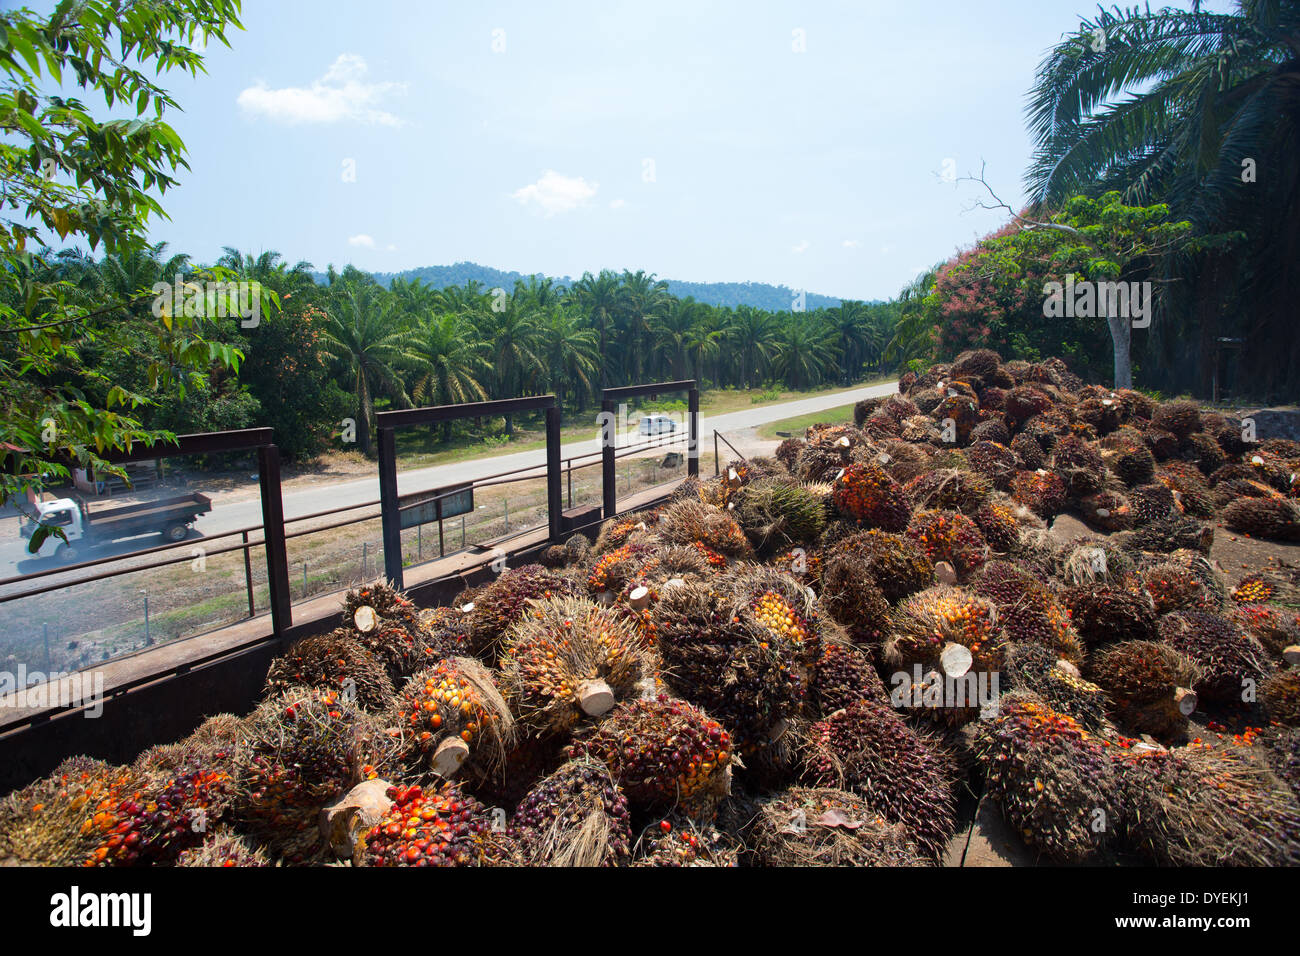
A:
85, 527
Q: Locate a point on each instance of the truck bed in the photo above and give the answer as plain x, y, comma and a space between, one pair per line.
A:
148, 513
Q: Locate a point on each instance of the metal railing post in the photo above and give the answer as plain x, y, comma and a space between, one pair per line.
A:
553, 500
388, 506
277, 561
608, 481
248, 575
693, 448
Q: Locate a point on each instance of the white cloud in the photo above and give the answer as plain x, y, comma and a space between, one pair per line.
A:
851, 243
361, 241
342, 94
617, 203
556, 193
390, 248
801, 247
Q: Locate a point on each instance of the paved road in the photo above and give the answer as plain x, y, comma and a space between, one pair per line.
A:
231, 515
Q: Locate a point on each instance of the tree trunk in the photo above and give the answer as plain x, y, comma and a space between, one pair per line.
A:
1121, 332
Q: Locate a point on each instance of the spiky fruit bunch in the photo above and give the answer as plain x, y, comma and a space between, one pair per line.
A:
663, 752
1144, 679
1227, 657
1102, 412
687, 522
1284, 757
844, 674
173, 811
994, 460
821, 826
1280, 695
778, 514
1174, 587
1089, 561
1128, 456
820, 462
447, 628
1188, 484
745, 661
949, 536
1274, 628
385, 602
1202, 452
1181, 417
1024, 402
1028, 611
868, 749
452, 713
998, 524
949, 489
72, 818
1042, 492
211, 745
501, 603
1150, 503
677, 840
780, 605
1106, 511
866, 493
1270, 518
575, 817
1039, 670
1050, 777
1079, 465
568, 659
991, 430
925, 623
296, 754
1105, 613
1029, 452
787, 453
625, 567
334, 662
853, 598
1253, 589
442, 827
898, 564
1211, 577
388, 625
224, 848
1196, 806
1172, 533
615, 532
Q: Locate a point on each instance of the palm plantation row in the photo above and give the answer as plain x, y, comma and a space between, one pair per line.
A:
343, 348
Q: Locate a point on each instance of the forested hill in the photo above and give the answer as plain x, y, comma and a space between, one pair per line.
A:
773, 298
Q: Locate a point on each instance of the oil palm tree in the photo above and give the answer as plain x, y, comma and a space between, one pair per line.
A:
361, 333
449, 363
598, 298
751, 333
805, 351
569, 351
1201, 111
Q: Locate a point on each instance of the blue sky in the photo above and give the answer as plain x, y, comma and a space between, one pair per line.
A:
694, 140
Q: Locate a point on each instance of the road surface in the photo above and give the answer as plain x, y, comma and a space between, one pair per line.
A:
246, 511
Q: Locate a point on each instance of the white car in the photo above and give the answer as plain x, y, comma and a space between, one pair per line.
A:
657, 424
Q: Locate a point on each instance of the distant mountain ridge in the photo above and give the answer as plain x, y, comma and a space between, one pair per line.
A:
762, 295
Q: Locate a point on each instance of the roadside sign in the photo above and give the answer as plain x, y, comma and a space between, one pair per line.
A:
426, 507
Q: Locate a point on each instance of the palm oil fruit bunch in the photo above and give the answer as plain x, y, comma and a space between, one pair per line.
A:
224, 847
1079, 465
997, 522
777, 514
867, 749
1229, 660
72, 818
614, 534
622, 568
437, 827
926, 624
1038, 669
332, 662
502, 602
1197, 806
577, 816
994, 460
852, 597
1042, 492
1275, 629
452, 714
898, 564
777, 603
822, 826
866, 493
390, 627
679, 841
173, 811
296, 754
717, 654
1053, 781
1028, 609
1105, 613
1174, 587
687, 522
1190, 487
949, 489
1272, 519
383, 602
949, 536
663, 752
1151, 685
1106, 510
1280, 697
1171, 533
567, 660
844, 674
